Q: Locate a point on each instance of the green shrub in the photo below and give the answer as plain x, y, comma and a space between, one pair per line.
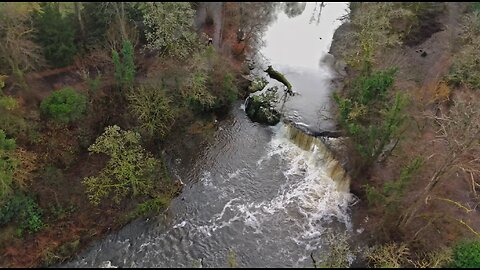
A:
24, 210
59, 254
373, 87
466, 254
31, 217
13, 124
8, 164
64, 106
152, 206
391, 195
131, 170
93, 85
370, 118
8, 103
465, 68
152, 108
194, 90
97, 18
6, 144
476, 6
397, 187
60, 212
466, 63
339, 251
374, 197
10, 210
230, 88
10, 119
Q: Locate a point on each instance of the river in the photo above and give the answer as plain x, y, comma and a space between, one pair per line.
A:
266, 194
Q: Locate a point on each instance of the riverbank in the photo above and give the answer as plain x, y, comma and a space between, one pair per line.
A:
423, 62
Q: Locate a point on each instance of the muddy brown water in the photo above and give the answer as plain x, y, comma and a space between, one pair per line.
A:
266, 194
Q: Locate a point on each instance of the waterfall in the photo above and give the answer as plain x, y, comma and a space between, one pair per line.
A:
315, 145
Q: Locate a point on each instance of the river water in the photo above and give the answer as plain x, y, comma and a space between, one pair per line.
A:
268, 195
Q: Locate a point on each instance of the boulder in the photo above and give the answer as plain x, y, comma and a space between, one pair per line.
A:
261, 109
257, 84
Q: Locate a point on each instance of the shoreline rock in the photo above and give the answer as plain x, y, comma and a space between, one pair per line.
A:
261, 108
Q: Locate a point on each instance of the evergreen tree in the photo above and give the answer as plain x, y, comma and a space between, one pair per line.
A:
55, 33
125, 67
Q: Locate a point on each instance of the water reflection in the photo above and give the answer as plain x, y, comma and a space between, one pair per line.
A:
317, 12
293, 9
298, 48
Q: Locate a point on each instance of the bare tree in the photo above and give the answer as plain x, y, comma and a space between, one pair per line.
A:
252, 20
16, 33
459, 132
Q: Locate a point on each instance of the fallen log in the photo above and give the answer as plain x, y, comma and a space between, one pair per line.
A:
315, 133
279, 77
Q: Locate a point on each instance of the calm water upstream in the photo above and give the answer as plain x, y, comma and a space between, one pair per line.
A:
265, 193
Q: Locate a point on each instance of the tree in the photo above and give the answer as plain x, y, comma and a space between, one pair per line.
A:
252, 20
81, 24
369, 116
17, 49
110, 23
119, 8
375, 30
64, 106
55, 32
152, 108
170, 28
7, 165
25, 210
97, 18
130, 169
466, 63
194, 90
125, 67
338, 253
459, 132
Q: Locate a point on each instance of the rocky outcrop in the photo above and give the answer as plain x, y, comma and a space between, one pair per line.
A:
261, 108
257, 84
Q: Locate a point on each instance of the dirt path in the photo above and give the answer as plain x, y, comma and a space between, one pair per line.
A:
215, 10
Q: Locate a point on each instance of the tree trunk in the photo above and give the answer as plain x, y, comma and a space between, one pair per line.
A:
80, 21
120, 12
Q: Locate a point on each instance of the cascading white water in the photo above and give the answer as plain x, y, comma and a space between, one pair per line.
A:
332, 167
315, 193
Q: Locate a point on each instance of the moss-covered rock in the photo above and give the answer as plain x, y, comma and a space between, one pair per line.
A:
261, 108
257, 84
